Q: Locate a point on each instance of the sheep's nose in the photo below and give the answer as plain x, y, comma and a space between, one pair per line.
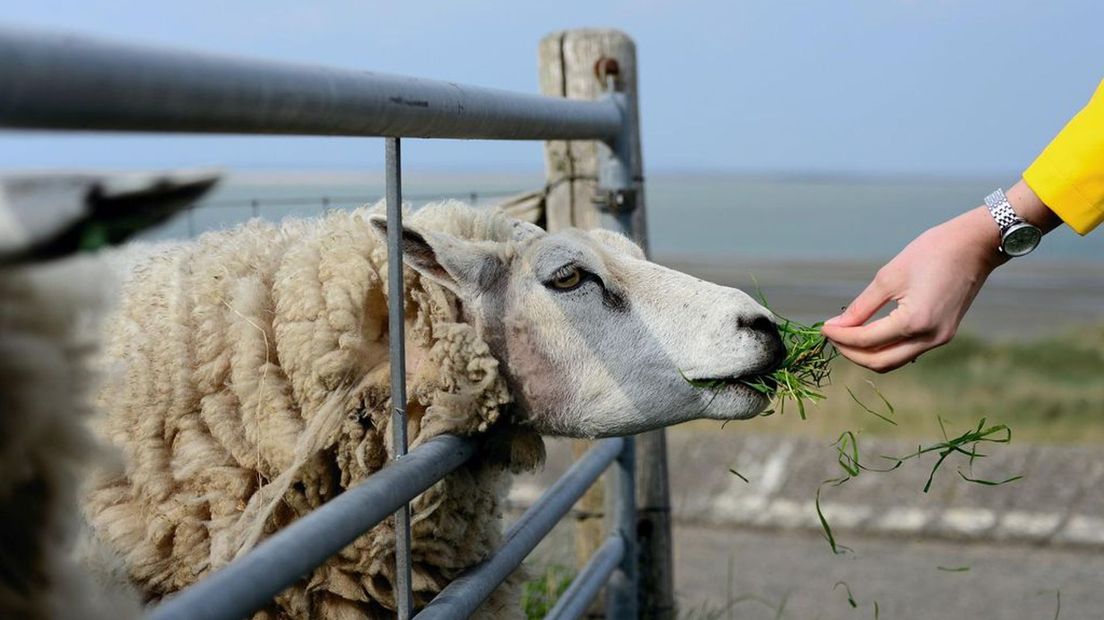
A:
766, 333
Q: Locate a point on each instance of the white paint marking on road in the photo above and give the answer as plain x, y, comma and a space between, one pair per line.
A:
967, 520
744, 503
774, 471
902, 519
729, 509
1022, 524
1083, 529
788, 514
843, 516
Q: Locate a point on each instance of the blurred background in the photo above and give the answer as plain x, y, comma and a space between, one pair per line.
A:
798, 145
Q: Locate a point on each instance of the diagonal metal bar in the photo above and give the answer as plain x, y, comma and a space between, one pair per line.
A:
573, 603
462, 597
250, 582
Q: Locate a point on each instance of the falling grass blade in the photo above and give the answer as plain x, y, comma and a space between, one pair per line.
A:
889, 406
990, 483
837, 548
847, 448
850, 598
739, 475
953, 569
871, 411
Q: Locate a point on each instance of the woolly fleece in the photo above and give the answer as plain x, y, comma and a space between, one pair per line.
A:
248, 384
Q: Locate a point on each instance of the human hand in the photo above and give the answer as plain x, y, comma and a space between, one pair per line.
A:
933, 280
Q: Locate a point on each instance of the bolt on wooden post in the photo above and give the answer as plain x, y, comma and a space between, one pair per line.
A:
582, 64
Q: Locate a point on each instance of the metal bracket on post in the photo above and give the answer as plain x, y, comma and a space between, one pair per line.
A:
616, 197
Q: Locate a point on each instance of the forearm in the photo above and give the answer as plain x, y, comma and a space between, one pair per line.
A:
1030, 207
977, 226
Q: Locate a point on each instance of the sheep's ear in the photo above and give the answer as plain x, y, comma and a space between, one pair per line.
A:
524, 231
461, 266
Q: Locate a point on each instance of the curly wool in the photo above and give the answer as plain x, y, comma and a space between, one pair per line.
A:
249, 384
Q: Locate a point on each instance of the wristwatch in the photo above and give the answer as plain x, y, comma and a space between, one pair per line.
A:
1018, 237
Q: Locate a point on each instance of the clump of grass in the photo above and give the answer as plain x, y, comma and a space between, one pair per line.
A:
801, 377
539, 595
805, 371
966, 445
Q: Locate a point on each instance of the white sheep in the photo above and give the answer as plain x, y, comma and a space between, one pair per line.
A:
48, 335
248, 384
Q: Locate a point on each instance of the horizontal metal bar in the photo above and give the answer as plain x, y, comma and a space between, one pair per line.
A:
250, 582
573, 603
466, 593
51, 81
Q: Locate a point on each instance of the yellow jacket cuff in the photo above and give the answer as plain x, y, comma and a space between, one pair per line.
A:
1068, 176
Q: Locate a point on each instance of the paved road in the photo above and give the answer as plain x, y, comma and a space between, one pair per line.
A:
769, 567
1009, 577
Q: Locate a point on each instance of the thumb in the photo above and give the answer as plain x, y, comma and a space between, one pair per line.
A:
862, 308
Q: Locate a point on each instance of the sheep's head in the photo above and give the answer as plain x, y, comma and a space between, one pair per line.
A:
595, 339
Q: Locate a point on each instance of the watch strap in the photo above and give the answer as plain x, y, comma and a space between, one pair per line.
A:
1001, 210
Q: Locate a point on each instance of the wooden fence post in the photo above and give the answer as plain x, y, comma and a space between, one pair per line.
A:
570, 67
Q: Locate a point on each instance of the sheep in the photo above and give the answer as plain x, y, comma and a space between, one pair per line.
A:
248, 384
47, 339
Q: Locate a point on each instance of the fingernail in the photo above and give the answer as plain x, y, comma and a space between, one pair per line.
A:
833, 320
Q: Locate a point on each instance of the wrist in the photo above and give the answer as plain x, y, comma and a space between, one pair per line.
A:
1030, 207
982, 233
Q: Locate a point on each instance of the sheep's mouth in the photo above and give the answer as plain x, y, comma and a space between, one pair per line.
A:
762, 383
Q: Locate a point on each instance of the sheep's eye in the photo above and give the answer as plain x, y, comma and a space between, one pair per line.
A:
567, 278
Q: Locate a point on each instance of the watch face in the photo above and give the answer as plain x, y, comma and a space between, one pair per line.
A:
1021, 239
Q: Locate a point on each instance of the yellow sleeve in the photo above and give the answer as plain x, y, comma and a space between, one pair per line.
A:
1069, 174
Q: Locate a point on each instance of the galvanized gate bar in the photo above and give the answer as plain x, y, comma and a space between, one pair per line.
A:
396, 324
621, 595
51, 81
575, 601
466, 593
250, 582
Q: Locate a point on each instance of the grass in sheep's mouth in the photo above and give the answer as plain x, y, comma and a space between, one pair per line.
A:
804, 372
800, 378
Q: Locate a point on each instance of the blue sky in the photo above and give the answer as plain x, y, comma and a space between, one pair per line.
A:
960, 87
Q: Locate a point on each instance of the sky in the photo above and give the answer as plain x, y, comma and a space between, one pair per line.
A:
856, 87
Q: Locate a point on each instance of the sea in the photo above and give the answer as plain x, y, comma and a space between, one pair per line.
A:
699, 217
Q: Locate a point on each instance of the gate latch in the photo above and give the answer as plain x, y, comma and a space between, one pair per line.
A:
615, 201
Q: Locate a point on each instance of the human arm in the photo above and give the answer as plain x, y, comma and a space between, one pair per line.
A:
933, 281
936, 277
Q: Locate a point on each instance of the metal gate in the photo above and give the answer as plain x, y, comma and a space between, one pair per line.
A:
72, 83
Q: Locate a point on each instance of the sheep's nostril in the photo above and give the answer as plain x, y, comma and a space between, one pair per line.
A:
767, 332
763, 324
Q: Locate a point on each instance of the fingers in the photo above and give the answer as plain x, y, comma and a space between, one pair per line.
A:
891, 357
876, 335
863, 307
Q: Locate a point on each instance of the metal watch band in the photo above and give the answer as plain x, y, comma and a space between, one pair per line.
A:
1001, 210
